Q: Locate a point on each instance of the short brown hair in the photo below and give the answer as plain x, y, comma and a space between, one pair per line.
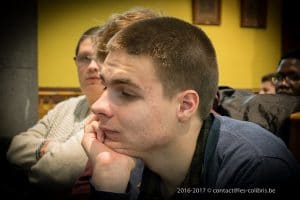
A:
184, 57
117, 22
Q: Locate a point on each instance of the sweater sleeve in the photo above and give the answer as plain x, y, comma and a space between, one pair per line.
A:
24, 145
58, 126
61, 165
65, 158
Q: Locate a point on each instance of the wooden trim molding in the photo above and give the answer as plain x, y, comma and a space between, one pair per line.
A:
50, 96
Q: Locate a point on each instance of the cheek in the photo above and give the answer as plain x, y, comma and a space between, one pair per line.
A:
149, 127
296, 88
296, 85
80, 75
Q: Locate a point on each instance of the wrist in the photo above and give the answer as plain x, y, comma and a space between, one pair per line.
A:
41, 150
108, 186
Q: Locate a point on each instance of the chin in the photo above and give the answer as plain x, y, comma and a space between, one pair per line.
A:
117, 147
90, 89
285, 92
94, 85
124, 152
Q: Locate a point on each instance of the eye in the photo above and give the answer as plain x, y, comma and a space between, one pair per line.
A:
126, 94
86, 59
294, 77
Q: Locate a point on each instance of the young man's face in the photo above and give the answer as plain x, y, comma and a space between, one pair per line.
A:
288, 75
134, 115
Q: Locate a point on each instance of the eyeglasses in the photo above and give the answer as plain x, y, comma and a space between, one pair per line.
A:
84, 60
279, 77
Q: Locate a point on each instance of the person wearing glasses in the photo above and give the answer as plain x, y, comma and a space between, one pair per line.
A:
287, 77
50, 152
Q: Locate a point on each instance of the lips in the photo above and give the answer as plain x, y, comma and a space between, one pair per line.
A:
284, 91
108, 133
93, 78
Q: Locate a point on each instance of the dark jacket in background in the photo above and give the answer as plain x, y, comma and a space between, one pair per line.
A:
270, 111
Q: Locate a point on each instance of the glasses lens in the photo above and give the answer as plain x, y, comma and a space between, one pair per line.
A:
294, 77
277, 78
287, 77
83, 61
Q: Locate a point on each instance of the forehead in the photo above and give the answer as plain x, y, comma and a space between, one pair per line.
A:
86, 45
118, 64
289, 65
267, 84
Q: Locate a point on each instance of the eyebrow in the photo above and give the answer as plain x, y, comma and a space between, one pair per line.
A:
120, 81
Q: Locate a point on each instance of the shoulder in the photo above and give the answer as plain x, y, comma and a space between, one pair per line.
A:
72, 102
245, 153
77, 106
250, 137
247, 145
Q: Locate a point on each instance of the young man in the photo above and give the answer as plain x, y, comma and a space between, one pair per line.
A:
160, 80
287, 78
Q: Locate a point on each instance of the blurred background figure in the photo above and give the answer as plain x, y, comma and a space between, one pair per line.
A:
267, 85
50, 152
287, 78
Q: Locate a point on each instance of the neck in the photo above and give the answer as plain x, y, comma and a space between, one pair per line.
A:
173, 162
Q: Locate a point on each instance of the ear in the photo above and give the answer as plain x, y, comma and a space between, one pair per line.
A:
188, 104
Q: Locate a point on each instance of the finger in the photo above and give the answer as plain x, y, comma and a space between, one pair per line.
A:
89, 135
90, 129
95, 127
91, 118
93, 138
100, 135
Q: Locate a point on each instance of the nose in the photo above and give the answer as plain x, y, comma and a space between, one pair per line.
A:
102, 107
94, 65
284, 82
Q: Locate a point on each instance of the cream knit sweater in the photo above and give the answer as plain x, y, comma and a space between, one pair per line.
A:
65, 159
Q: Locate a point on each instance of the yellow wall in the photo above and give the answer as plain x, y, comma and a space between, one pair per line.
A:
244, 54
